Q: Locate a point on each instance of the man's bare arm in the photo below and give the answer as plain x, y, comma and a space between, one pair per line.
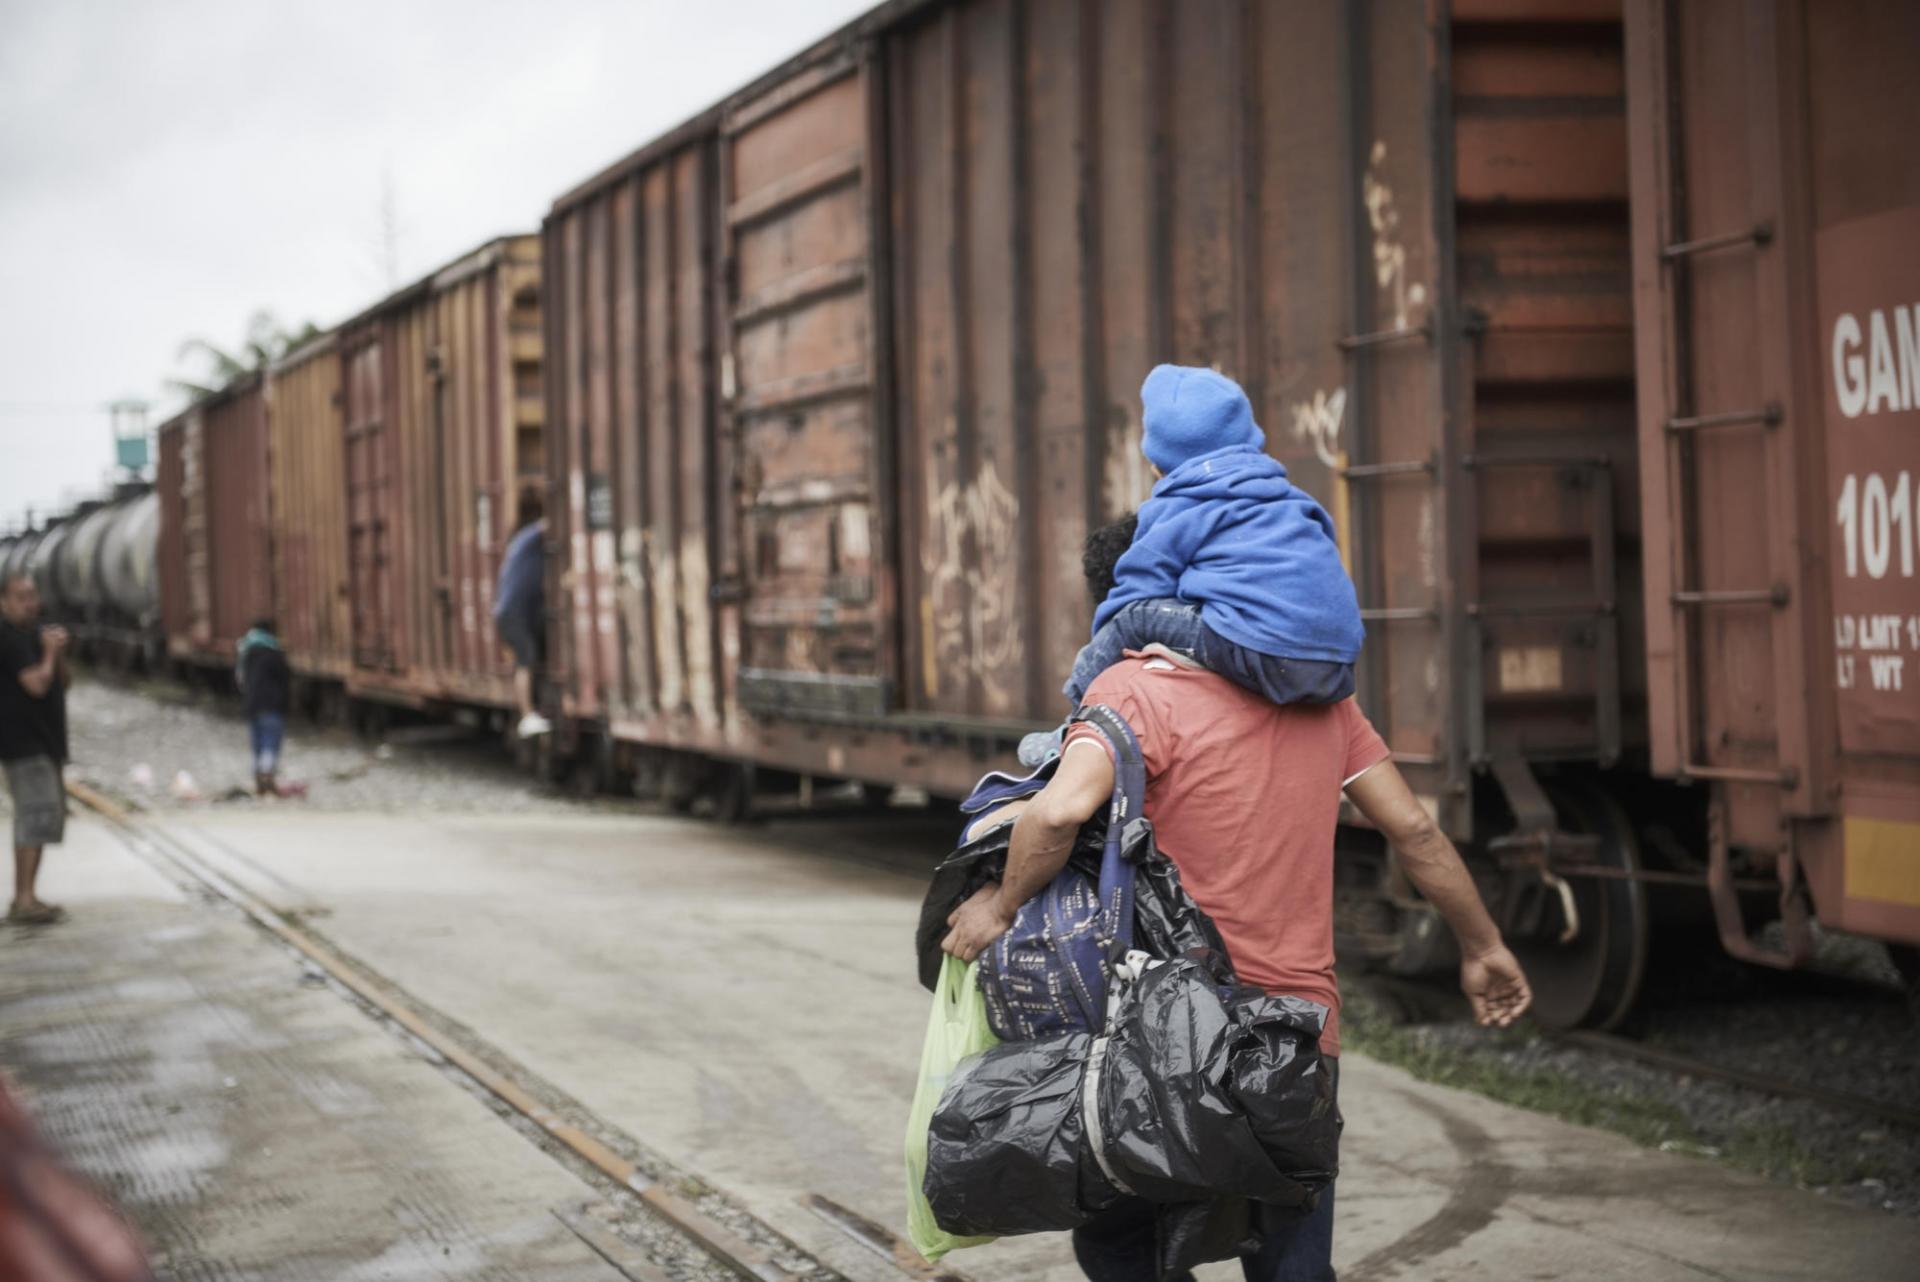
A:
1489, 974
1042, 840
39, 678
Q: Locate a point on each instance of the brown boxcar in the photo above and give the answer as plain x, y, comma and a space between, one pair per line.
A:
307, 457
849, 365
1777, 207
639, 471
441, 422
950, 242
215, 543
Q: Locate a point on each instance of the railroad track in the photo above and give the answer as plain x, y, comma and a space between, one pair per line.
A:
749, 1260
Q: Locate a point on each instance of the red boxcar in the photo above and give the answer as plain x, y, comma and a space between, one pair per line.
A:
441, 417
215, 546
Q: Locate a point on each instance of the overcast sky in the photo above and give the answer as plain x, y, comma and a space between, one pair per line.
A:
166, 169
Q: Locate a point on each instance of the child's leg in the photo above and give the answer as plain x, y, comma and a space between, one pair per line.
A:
1172, 622
1278, 680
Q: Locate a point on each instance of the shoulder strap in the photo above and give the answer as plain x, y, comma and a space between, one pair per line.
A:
1128, 804
1129, 765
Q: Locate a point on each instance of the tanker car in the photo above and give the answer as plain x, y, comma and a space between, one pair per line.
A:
96, 574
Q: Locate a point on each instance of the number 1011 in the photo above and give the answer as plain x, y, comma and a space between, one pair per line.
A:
1876, 524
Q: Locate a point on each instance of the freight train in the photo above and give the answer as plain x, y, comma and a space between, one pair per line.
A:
1591, 321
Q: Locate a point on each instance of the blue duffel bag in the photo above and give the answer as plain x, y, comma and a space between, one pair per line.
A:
1048, 974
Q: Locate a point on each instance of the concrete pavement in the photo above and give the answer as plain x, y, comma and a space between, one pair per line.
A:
742, 1002
252, 1122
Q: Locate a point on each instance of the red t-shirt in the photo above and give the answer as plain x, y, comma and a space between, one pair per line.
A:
1244, 796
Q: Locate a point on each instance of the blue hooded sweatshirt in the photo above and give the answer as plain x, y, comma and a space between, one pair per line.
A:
1229, 532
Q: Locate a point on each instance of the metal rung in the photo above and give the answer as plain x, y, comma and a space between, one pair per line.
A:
1391, 613
1472, 461
1382, 337
1786, 778
1775, 595
1759, 234
1770, 416
1582, 609
1362, 471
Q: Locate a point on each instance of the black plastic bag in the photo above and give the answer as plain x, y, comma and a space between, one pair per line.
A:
1208, 1093
1007, 1151
1210, 1088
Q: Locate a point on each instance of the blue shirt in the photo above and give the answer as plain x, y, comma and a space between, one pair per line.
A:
523, 574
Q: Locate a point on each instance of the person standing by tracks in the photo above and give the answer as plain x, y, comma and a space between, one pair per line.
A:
266, 685
1244, 795
33, 739
519, 608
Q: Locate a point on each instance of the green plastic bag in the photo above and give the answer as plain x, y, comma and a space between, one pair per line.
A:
956, 1029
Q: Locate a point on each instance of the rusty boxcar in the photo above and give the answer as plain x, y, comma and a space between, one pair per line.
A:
215, 563
846, 367
441, 418
854, 361
307, 461
1776, 210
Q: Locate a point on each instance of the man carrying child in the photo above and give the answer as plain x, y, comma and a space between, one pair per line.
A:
1225, 634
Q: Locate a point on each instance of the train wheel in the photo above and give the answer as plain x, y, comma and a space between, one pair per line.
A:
733, 790
1592, 980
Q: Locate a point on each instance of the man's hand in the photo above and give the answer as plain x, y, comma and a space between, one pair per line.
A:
1496, 987
55, 638
976, 924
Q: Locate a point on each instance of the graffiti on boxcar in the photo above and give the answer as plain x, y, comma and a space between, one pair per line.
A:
663, 570
1389, 254
1128, 482
970, 563
1318, 422
699, 658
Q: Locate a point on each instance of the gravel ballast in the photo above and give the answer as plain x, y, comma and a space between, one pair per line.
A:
162, 749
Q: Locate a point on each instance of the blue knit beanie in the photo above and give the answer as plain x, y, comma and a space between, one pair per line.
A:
1187, 412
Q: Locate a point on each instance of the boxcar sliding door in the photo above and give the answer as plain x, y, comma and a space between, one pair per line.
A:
801, 378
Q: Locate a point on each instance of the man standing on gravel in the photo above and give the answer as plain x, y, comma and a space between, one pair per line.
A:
33, 739
1245, 797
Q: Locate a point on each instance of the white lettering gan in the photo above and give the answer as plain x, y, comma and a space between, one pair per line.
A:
1886, 375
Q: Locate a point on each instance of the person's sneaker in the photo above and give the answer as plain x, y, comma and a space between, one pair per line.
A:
35, 914
1040, 747
533, 725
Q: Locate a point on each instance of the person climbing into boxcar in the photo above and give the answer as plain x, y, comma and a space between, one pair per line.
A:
266, 687
1244, 794
519, 607
33, 739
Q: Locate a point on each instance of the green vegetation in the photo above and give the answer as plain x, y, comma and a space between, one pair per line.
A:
1765, 1148
266, 341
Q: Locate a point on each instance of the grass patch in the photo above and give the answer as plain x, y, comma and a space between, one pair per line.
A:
1764, 1148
